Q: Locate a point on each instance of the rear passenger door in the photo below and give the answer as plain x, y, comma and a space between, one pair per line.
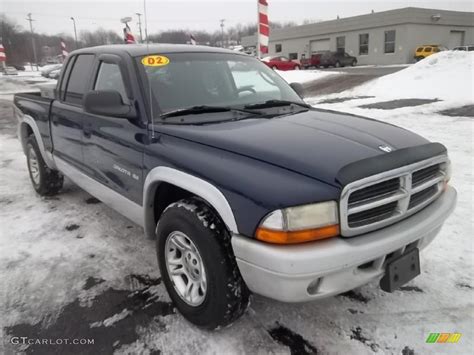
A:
113, 147
66, 113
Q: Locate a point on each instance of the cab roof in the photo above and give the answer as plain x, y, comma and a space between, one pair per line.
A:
136, 50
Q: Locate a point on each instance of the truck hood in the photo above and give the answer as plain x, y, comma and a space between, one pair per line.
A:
315, 143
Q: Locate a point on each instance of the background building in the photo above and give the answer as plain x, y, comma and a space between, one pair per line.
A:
388, 37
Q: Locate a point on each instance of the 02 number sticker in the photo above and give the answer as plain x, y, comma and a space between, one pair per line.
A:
155, 60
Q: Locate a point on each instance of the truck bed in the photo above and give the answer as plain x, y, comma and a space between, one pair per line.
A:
36, 106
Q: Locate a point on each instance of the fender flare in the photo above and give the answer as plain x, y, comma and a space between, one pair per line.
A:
30, 121
188, 182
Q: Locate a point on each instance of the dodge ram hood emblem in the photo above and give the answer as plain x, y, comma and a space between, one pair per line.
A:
385, 148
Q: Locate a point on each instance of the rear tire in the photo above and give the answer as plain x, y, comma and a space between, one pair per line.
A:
354, 63
45, 181
193, 247
274, 67
297, 67
337, 64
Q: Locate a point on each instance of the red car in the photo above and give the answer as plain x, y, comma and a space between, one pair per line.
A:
281, 63
312, 62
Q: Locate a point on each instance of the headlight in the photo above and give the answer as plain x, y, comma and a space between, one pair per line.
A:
300, 224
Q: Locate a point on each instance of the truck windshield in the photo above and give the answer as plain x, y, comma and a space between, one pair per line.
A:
185, 80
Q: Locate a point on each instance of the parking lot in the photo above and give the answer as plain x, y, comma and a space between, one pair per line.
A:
73, 268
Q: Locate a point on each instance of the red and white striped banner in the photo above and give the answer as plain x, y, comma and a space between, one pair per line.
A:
64, 52
263, 27
3, 57
192, 39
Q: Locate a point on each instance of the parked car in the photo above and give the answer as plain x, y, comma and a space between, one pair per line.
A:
314, 61
54, 74
10, 71
468, 48
19, 67
337, 59
46, 69
244, 187
281, 63
426, 50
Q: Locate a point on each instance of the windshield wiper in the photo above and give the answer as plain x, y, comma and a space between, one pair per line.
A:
275, 103
195, 110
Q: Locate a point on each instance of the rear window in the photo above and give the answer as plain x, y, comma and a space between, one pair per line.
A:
79, 78
428, 49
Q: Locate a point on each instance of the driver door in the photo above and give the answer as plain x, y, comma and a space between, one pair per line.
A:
113, 147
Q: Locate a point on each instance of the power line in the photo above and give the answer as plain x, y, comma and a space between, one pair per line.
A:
33, 41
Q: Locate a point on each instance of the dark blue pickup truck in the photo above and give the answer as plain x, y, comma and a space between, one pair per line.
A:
244, 186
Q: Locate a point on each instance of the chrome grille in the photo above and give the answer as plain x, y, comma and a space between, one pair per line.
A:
380, 200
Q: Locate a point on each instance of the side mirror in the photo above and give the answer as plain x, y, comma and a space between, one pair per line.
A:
107, 103
299, 89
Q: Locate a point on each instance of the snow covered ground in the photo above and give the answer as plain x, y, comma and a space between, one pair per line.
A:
25, 81
70, 262
446, 76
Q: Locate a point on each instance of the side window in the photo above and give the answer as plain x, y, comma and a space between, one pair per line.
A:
65, 75
79, 79
110, 78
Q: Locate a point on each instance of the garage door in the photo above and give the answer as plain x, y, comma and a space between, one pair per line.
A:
319, 45
456, 38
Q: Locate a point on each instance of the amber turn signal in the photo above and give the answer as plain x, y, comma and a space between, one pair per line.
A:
294, 237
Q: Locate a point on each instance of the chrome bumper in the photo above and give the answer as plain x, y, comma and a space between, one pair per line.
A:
297, 273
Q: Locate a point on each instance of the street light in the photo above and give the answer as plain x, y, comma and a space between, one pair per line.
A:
75, 32
140, 25
222, 31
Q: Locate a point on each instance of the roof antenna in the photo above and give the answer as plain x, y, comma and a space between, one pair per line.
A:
150, 93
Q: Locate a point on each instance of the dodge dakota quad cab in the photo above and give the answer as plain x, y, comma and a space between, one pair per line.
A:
244, 186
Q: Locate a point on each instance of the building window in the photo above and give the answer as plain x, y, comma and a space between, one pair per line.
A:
293, 56
341, 44
390, 41
363, 43
278, 48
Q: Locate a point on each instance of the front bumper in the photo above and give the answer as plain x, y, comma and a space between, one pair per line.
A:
297, 273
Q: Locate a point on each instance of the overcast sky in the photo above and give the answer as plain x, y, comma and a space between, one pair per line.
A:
54, 16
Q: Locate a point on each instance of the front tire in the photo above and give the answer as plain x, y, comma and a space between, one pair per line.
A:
45, 181
338, 64
297, 67
198, 266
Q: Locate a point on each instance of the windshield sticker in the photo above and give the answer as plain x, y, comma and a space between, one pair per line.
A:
155, 60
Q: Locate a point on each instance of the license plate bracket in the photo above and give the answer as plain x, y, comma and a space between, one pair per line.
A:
401, 270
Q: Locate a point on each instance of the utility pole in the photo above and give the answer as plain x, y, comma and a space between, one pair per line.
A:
33, 41
222, 31
75, 32
140, 25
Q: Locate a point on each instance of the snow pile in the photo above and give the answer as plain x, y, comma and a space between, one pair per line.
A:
445, 76
303, 76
